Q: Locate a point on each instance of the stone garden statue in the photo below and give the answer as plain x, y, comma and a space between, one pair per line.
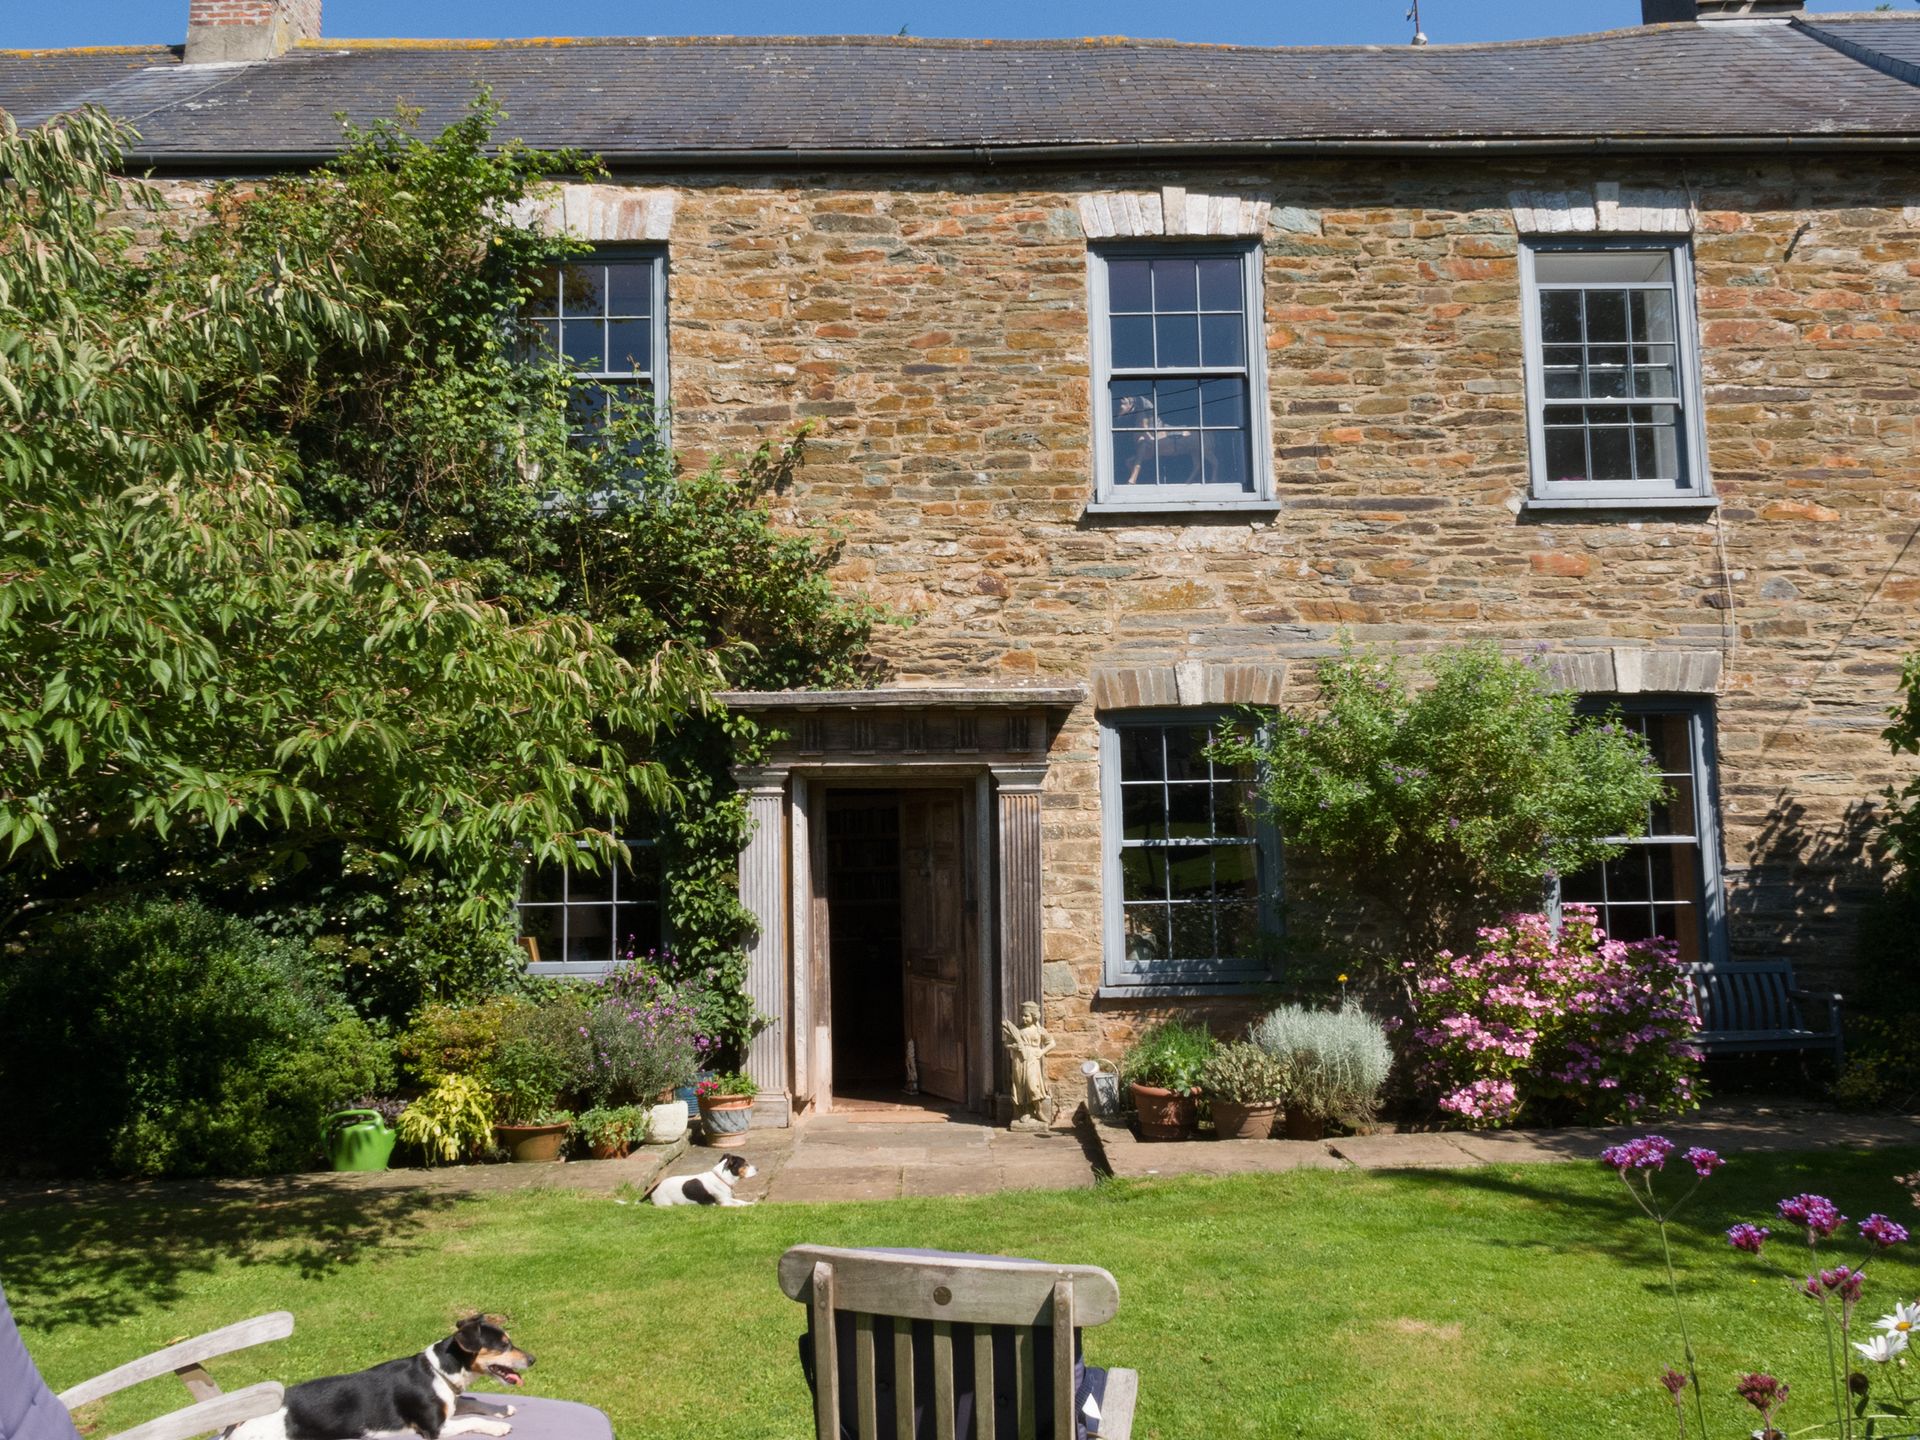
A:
1028, 1046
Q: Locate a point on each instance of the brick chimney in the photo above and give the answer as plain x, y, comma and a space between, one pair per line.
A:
1662, 12
248, 29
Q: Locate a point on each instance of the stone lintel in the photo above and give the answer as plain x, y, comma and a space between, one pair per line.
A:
604, 214
907, 697
1173, 211
1186, 684
1605, 209
1629, 670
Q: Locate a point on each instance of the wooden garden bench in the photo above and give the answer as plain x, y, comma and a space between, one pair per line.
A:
934, 1346
1755, 1006
30, 1411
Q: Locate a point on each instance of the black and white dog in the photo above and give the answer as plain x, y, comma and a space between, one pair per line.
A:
713, 1188
418, 1393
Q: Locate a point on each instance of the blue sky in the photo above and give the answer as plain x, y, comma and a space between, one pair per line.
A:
35, 23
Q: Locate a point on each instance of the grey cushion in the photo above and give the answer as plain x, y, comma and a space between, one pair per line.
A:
543, 1419
28, 1410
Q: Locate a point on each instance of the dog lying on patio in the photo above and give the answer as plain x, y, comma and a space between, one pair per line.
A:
419, 1393
713, 1188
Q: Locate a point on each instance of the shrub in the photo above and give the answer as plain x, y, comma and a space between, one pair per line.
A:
611, 1125
1444, 806
459, 1039
1336, 1061
541, 1054
451, 1121
1549, 1026
1243, 1074
642, 1037
1168, 1056
167, 1038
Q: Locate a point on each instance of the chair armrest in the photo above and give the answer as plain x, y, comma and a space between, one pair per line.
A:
211, 1416
1829, 996
257, 1331
1116, 1415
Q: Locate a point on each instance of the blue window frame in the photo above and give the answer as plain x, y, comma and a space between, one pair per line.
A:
1180, 395
604, 315
1192, 876
1667, 881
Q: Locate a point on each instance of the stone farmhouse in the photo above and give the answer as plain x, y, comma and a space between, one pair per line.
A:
1142, 373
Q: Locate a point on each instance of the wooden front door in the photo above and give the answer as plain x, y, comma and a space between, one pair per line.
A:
935, 931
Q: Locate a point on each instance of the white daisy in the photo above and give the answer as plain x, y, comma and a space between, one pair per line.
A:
1881, 1348
1904, 1321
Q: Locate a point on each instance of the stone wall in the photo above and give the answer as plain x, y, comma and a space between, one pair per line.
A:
934, 331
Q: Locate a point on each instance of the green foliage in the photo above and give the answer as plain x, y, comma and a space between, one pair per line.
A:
194, 652
450, 1122
727, 1084
1243, 1074
1169, 1055
168, 1039
1900, 831
1336, 1061
1444, 806
609, 1125
539, 1056
459, 1039
1883, 1006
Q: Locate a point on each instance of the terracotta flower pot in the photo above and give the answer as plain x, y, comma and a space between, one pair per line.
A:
1301, 1125
611, 1150
531, 1144
1163, 1114
724, 1120
1234, 1121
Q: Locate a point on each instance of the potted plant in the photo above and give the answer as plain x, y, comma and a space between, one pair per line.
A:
1162, 1072
1245, 1084
527, 1073
610, 1131
451, 1121
726, 1108
1336, 1062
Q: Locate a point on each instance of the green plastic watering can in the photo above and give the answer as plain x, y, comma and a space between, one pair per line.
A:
359, 1140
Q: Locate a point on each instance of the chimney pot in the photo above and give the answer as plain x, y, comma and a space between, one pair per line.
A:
225, 30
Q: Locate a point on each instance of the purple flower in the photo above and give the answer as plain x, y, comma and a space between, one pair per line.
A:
1704, 1162
1842, 1281
1819, 1214
1748, 1238
1882, 1232
1674, 1381
1649, 1152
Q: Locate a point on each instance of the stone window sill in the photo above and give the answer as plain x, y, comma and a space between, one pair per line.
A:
1183, 992
1182, 507
1574, 503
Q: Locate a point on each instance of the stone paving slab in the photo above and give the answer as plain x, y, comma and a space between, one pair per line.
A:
1732, 1128
1400, 1152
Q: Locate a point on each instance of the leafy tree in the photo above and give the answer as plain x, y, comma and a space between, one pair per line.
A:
1900, 831
191, 650
1437, 808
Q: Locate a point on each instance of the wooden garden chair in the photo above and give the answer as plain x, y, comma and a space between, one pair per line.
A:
30, 1411
933, 1346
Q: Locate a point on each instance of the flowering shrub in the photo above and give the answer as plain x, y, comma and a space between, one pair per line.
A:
1539, 1025
642, 1036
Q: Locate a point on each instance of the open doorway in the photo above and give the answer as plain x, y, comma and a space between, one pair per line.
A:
899, 929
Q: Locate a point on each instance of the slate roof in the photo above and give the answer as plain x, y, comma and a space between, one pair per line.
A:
1816, 79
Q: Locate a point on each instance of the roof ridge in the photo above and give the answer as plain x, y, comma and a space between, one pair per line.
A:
1875, 60
957, 42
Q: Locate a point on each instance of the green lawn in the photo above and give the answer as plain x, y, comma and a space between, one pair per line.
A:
1510, 1301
